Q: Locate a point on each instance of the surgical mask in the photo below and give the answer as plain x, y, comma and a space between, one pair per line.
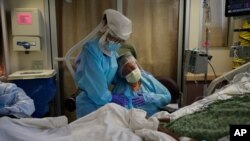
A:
133, 76
112, 46
108, 47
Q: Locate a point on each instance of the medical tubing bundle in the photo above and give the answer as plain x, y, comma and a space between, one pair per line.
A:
78, 45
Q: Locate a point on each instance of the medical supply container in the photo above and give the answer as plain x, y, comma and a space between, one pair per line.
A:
39, 85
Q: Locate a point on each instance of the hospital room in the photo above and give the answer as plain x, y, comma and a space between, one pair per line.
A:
124, 70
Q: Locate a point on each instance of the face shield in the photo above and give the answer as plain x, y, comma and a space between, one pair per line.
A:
128, 68
117, 29
113, 22
120, 26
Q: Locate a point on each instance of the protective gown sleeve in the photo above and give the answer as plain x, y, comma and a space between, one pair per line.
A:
23, 105
90, 76
14, 101
155, 92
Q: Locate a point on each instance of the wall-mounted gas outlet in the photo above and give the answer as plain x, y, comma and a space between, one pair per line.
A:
22, 43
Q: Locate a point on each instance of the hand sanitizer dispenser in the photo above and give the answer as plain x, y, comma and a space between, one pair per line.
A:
26, 29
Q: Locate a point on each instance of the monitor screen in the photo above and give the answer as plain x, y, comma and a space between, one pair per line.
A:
237, 8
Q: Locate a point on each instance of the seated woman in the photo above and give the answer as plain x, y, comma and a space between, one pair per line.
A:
137, 88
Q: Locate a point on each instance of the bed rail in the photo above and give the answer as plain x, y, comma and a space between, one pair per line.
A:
227, 76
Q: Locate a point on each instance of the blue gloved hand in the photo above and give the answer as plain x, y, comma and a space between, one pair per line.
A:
119, 99
138, 100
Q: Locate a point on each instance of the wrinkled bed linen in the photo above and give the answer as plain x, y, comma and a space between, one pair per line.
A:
113, 123
109, 123
34, 129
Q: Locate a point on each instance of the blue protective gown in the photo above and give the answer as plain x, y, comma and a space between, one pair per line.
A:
14, 101
93, 76
155, 94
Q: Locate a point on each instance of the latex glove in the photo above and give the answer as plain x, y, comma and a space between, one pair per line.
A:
119, 99
138, 100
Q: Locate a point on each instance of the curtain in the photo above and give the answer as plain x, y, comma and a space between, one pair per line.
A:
80, 17
155, 34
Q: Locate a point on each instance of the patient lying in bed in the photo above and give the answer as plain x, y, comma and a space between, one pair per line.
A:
210, 118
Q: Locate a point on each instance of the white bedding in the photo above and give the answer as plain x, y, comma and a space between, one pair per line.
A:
110, 123
32, 129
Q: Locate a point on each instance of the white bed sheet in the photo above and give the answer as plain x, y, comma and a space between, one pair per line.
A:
110, 123
32, 129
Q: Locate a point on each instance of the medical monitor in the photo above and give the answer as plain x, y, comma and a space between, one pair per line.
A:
235, 8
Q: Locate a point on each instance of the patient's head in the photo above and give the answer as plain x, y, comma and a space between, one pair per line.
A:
128, 68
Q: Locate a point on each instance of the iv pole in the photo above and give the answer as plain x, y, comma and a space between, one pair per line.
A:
206, 6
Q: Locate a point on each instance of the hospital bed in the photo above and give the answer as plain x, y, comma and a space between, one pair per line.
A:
226, 77
227, 103
113, 122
